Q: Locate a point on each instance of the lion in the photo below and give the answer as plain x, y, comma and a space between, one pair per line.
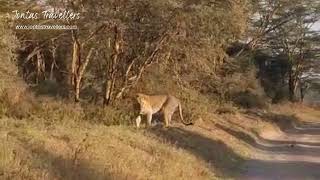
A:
165, 104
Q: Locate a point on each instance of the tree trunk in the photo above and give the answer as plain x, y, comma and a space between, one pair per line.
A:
40, 67
54, 63
110, 81
303, 90
111, 68
52, 70
77, 90
302, 93
292, 85
75, 61
291, 89
74, 66
79, 74
108, 92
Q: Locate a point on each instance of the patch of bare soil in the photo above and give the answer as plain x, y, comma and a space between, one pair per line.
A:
291, 154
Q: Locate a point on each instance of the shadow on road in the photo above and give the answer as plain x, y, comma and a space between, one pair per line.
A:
271, 170
224, 159
287, 160
283, 147
289, 124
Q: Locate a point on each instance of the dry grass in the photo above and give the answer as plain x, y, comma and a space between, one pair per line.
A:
57, 142
66, 141
30, 152
61, 140
43, 138
302, 112
46, 138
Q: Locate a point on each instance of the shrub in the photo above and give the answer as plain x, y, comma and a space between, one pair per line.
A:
50, 88
57, 111
107, 116
17, 103
8, 45
249, 100
280, 96
226, 108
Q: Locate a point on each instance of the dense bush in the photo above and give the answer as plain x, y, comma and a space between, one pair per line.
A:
249, 100
107, 116
8, 46
17, 103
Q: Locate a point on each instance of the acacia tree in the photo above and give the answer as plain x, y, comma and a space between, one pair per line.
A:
270, 15
151, 31
123, 38
33, 47
132, 72
116, 41
135, 42
295, 40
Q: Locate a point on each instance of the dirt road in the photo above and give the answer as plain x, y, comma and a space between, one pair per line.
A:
290, 155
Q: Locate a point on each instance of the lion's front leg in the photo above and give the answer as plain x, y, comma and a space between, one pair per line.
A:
149, 118
138, 121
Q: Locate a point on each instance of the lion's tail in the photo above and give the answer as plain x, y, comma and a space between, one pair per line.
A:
182, 120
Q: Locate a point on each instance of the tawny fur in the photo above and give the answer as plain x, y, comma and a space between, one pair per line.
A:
166, 104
